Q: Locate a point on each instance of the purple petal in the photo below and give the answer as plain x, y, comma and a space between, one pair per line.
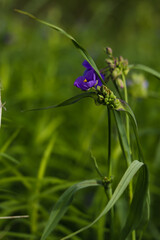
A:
79, 81
87, 65
89, 79
91, 83
99, 81
89, 75
102, 76
84, 86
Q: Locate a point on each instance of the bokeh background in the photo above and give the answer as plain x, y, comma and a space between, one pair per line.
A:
44, 152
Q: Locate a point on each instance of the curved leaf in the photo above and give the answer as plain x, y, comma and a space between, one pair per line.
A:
135, 212
63, 203
126, 108
127, 177
68, 101
146, 69
122, 137
83, 52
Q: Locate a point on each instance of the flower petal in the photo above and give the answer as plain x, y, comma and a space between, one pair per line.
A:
102, 76
87, 65
89, 75
79, 81
91, 83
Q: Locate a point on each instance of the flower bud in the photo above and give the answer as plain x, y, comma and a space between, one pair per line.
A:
106, 100
100, 98
109, 51
104, 90
125, 62
121, 59
109, 61
120, 83
98, 89
116, 72
111, 106
112, 96
126, 71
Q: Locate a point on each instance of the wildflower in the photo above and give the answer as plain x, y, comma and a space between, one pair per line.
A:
89, 79
109, 51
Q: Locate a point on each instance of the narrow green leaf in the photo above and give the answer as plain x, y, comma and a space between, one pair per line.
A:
9, 158
126, 108
83, 52
9, 141
146, 69
63, 203
135, 212
127, 177
68, 101
16, 235
122, 137
1, 105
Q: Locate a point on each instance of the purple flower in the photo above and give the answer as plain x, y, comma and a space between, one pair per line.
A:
89, 78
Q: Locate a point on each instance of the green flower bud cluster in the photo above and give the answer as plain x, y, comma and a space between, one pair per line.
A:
116, 66
107, 181
107, 97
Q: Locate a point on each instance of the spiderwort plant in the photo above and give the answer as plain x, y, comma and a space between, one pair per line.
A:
94, 85
89, 79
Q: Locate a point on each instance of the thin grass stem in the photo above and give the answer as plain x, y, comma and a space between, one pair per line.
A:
128, 138
127, 118
109, 143
109, 188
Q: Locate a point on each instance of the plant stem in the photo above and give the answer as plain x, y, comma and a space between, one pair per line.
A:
109, 143
109, 188
109, 156
128, 138
127, 118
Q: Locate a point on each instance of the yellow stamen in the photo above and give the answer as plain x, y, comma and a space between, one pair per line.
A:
85, 80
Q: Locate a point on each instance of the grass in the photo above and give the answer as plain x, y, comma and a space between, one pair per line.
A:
44, 153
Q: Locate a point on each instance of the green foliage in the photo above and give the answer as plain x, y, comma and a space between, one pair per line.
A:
137, 204
63, 203
44, 153
146, 69
69, 101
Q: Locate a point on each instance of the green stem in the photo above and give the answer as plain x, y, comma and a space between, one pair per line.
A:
128, 138
109, 143
117, 89
109, 188
126, 100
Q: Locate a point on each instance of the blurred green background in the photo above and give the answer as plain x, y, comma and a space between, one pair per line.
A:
44, 152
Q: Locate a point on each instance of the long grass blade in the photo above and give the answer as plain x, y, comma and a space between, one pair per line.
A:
127, 177
10, 158
122, 137
83, 52
63, 203
135, 212
69, 101
9, 141
126, 108
146, 69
